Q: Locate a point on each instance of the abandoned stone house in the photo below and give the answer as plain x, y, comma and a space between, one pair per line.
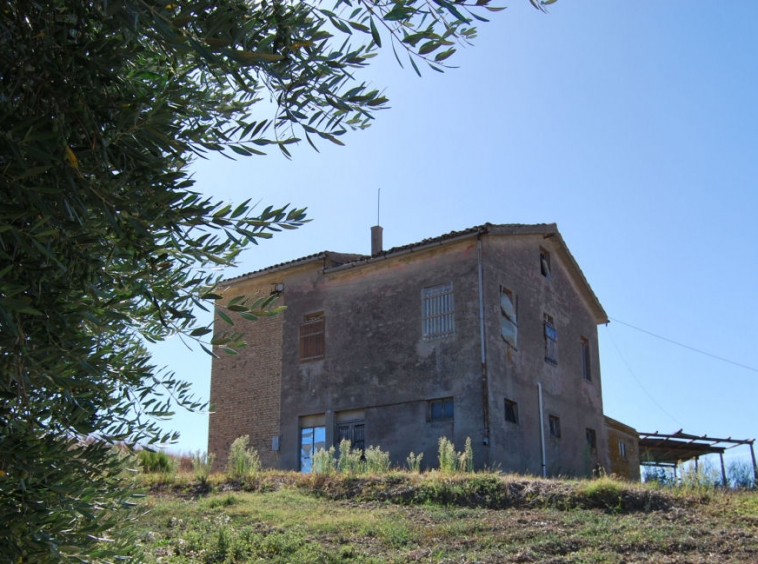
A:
488, 333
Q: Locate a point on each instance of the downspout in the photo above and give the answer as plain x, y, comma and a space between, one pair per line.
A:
542, 432
482, 334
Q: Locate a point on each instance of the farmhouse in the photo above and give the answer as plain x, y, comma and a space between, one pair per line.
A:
488, 333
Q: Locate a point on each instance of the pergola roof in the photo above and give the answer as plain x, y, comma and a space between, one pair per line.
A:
662, 449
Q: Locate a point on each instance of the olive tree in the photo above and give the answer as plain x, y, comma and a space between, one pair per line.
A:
105, 245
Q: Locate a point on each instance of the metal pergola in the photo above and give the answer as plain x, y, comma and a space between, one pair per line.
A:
659, 449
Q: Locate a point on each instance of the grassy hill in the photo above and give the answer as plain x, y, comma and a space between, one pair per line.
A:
432, 517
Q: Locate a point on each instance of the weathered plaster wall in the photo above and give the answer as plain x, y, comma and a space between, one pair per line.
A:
514, 262
375, 356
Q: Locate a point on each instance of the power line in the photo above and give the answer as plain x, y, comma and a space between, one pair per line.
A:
722, 359
648, 394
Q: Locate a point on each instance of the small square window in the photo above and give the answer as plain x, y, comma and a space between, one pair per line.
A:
551, 340
555, 426
622, 449
437, 312
441, 409
591, 439
586, 371
511, 411
312, 333
544, 262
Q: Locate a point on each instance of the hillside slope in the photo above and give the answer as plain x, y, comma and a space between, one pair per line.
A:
281, 517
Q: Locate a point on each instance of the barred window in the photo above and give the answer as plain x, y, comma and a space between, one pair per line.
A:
437, 312
354, 432
312, 337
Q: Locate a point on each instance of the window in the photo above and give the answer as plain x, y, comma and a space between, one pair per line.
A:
544, 263
508, 324
555, 426
622, 449
586, 372
437, 312
591, 439
353, 432
312, 439
511, 411
312, 337
551, 338
441, 409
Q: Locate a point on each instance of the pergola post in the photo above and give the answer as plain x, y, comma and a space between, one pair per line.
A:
755, 467
723, 470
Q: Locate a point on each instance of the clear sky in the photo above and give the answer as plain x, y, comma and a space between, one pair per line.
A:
632, 125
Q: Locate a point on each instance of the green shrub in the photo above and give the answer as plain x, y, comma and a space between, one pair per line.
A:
155, 462
414, 461
377, 461
741, 475
243, 462
201, 465
323, 461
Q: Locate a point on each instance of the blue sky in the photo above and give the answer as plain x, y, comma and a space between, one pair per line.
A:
632, 125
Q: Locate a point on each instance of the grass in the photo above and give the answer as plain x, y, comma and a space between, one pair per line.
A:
408, 517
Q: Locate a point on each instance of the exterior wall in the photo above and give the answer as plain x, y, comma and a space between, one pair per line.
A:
623, 464
376, 359
513, 262
377, 367
246, 388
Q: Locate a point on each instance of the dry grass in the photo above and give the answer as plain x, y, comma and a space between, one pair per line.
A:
405, 517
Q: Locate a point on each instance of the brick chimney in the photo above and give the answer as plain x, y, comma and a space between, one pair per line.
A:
376, 240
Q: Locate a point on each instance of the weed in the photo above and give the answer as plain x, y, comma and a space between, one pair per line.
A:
349, 461
414, 462
447, 456
243, 462
466, 458
377, 461
452, 461
324, 462
201, 466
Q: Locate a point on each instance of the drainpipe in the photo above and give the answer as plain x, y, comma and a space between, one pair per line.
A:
542, 431
482, 334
